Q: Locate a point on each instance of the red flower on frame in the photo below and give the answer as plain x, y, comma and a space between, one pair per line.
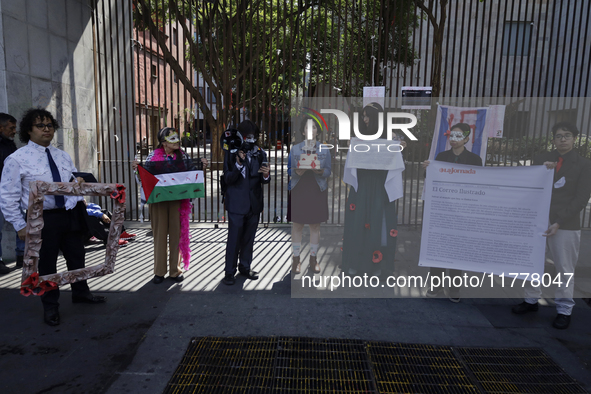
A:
32, 281
367, 226
377, 256
48, 285
352, 207
393, 233
26, 291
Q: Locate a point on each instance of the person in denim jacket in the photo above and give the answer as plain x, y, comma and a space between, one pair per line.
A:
308, 198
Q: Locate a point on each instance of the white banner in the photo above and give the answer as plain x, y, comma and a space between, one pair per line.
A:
486, 219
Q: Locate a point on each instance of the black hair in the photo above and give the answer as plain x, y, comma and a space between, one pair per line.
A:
302, 135
373, 111
247, 127
465, 127
31, 116
6, 118
566, 126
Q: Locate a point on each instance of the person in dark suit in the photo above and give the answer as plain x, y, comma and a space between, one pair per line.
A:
570, 195
245, 172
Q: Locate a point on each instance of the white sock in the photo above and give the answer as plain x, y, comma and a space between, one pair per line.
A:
313, 249
296, 248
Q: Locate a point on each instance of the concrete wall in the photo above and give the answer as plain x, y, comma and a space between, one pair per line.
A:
47, 61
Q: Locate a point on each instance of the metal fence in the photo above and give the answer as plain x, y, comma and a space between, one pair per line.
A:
201, 65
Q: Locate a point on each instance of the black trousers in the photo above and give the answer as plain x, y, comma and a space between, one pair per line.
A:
241, 232
62, 231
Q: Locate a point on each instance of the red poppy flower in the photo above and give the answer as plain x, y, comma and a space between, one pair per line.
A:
377, 256
352, 207
367, 226
48, 285
393, 233
32, 281
26, 291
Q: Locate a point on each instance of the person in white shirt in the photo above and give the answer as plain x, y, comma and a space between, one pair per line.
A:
64, 224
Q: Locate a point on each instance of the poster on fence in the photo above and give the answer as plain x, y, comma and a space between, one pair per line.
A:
485, 219
484, 122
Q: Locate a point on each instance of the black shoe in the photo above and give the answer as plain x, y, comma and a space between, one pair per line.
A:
229, 280
89, 299
524, 307
3, 268
561, 322
252, 275
19, 261
51, 317
178, 279
158, 279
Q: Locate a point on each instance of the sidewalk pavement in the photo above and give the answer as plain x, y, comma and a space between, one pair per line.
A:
133, 343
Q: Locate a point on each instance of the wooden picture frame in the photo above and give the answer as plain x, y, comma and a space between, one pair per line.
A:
38, 190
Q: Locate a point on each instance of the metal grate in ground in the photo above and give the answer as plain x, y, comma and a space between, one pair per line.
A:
314, 366
517, 371
402, 368
308, 365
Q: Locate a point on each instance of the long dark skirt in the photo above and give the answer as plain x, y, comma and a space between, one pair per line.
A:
369, 241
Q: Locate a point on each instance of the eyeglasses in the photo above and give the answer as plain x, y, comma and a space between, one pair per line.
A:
565, 137
43, 126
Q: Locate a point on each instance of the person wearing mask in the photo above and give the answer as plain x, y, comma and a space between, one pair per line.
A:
245, 172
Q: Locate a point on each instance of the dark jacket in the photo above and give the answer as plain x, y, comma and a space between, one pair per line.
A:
7, 147
245, 194
466, 157
570, 199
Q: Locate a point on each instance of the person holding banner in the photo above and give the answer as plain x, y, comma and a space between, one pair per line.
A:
309, 166
570, 195
371, 217
459, 135
169, 219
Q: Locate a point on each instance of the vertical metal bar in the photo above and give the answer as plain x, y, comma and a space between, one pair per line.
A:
544, 36
463, 46
486, 50
536, 22
447, 46
528, 56
426, 60
137, 116
518, 56
119, 103
475, 70
580, 48
495, 52
337, 153
455, 70
588, 47
577, 15
109, 106
508, 57
550, 53
97, 83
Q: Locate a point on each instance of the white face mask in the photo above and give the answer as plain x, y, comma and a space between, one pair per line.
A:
172, 138
456, 136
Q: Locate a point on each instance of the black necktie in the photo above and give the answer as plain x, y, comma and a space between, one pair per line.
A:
59, 200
